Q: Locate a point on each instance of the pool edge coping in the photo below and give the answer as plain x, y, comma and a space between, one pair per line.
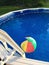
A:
21, 10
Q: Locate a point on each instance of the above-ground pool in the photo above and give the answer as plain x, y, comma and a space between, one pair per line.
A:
29, 22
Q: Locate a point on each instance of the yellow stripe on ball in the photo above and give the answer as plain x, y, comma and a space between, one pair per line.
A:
24, 45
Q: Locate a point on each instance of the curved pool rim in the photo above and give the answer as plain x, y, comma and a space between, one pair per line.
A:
9, 15
37, 10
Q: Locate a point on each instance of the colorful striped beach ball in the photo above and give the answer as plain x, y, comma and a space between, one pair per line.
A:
29, 45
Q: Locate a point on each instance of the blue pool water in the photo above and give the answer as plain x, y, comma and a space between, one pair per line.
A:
33, 23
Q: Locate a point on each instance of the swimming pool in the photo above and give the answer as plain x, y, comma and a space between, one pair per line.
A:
29, 22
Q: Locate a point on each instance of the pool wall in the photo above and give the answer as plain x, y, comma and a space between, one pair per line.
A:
11, 14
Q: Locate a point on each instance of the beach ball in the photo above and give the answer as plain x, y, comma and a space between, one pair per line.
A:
29, 45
